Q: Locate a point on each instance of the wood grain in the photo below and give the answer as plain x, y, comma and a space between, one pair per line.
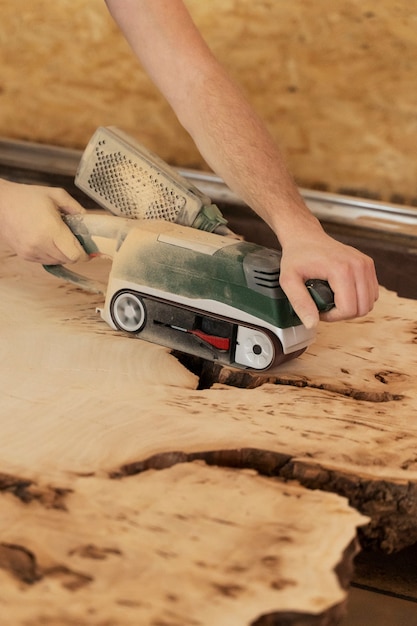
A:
184, 546
347, 404
115, 468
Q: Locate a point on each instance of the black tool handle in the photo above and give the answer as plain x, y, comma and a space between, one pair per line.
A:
321, 293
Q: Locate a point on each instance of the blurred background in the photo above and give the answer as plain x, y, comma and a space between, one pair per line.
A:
334, 81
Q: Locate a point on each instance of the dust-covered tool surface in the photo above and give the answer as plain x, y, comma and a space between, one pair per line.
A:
177, 278
130, 181
204, 294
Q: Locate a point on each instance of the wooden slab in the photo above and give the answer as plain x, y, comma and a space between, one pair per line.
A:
77, 396
191, 545
87, 414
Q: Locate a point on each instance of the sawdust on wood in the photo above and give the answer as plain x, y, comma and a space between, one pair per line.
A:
108, 509
78, 397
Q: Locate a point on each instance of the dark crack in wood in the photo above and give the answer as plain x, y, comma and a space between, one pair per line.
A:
22, 564
210, 373
19, 562
97, 553
27, 491
266, 462
391, 506
332, 617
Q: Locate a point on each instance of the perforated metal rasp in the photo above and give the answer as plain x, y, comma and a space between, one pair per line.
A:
127, 179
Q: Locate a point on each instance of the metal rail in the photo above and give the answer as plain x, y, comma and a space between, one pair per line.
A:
331, 208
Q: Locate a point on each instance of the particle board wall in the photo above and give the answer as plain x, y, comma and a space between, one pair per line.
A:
335, 82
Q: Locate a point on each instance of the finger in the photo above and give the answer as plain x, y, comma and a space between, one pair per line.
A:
51, 257
68, 247
374, 285
365, 295
366, 285
66, 203
302, 303
355, 294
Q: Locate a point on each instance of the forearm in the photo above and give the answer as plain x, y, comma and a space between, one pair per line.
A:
212, 108
236, 144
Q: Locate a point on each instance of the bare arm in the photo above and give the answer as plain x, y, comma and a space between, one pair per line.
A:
237, 145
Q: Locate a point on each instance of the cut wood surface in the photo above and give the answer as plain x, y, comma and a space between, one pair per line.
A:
87, 414
190, 545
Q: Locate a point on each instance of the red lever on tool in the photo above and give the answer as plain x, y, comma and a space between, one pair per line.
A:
221, 343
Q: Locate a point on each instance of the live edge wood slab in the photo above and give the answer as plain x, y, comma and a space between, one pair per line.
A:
129, 495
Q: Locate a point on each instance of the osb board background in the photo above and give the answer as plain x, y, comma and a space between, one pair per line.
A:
335, 82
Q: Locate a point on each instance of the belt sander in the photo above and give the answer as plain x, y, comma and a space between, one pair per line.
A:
179, 277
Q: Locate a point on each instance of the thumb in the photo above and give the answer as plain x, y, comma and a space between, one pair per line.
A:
68, 244
302, 303
65, 202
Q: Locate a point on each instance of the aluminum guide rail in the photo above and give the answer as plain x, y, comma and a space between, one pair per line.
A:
332, 208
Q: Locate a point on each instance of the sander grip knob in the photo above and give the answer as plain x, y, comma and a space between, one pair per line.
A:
321, 293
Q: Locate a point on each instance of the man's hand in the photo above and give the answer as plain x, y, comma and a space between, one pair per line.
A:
350, 273
32, 226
